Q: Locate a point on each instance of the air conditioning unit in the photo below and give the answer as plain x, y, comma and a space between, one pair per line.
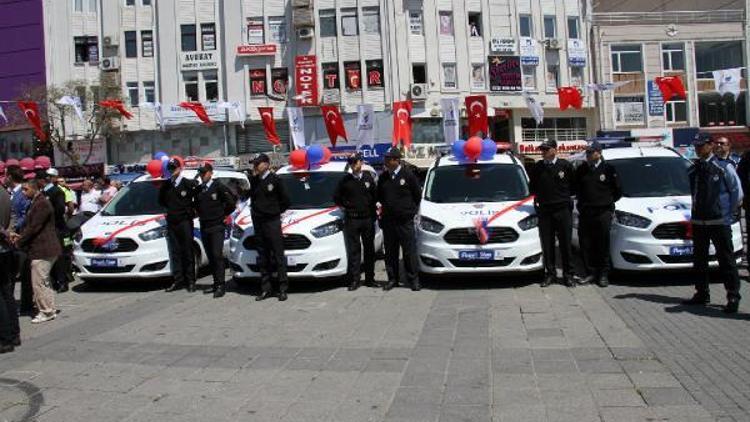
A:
109, 41
305, 33
418, 91
110, 63
553, 44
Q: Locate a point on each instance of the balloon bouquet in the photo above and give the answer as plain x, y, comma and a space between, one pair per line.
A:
474, 149
158, 167
310, 157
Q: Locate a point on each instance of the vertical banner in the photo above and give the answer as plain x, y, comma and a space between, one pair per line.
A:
365, 127
334, 123
306, 80
451, 129
402, 123
476, 109
296, 126
269, 125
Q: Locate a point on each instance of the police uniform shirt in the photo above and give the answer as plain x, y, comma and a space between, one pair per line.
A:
213, 203
597, 185
357, 194
552, 182
268, 197
400, 193
177, 197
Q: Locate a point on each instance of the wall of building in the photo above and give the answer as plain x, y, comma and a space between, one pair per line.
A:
22, 49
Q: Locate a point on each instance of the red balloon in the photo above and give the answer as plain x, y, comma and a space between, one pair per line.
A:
298, 158
42, 162
473, 148
179, 160
154, 168
326, 155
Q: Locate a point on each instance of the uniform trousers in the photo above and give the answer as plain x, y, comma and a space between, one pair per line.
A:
271, 258
358, 230
398, 234
213, 243
594, 226
556, 223
181, 254
721, 237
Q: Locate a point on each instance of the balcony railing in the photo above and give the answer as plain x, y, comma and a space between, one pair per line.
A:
676, 17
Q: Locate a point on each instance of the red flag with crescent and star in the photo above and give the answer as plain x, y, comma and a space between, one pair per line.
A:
570, 96
116, 105
476, 109
30, 109
402, 122
670, 86
199, 111
334, 123
269, 125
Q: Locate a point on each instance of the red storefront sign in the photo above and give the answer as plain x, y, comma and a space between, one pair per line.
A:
306, 80
256, 50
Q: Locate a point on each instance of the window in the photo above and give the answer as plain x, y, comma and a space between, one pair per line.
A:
576, 76
477, 76
330, 75
629, 110
353, 76
415, 22
149, 93
129, 2
717, 110
211, 85
529, 77
710, 56
449, 75
146, 2
280, 80
208, 36
131, 44
277, 29
187, 36
419, 73
561, 129
257, 82
93, 5
133, 94
550, 29
371, 20
349, 25
525, 25
328, 23
375, 73
78, 5
86, 50
573, 32
446, 23
673, 56
475, 24
552, 58
81, 93
147, 43
676, 111
255, 30
191, 86
626, 58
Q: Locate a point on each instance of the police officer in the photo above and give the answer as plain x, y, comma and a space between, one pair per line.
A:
268, 200
597, 188
716, 197
399, 193
356, 194
177, 195
214, 202
551, 181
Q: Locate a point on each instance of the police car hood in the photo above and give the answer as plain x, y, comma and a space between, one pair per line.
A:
464, 214
659, 210
120, 226
295, 221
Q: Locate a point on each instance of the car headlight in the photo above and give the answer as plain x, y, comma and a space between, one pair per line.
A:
154, 234
328, 229
632, 220
529, 222
429, 225
237, 232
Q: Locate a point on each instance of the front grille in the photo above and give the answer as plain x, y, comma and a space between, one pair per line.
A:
672, 231
109, 270
688, 259
289, 269
468, 236
292, 242
118, 244
459, 263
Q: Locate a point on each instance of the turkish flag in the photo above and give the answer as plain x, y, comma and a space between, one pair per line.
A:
30, 109
402, 122
334, 123
476, 108
670, 86
269, 125
569, 96
116, 105
199, 111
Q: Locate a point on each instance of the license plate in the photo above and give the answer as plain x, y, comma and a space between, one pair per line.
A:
681, 250
104, 262
476, 255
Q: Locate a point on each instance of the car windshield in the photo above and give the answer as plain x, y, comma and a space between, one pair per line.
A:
139, 198
648, 177
476, 183
311, 190
240, 187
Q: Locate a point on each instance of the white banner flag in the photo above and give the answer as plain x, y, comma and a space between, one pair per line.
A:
2, 114
74, 102
365, 125
728, 81
451, 128
236, 108
609, 86
536, 110
297, 126
156, 107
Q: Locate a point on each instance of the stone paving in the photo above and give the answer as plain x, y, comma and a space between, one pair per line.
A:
485, 350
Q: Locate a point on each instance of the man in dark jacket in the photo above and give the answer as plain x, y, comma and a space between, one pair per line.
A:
268, 200
61, 272
177, 195
10, 333
399, 194
214, 203
598, 188
551, 181
20, 206
716, 197
356, 194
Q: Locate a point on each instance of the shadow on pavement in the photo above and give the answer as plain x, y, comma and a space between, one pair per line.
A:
480, 282
120, 286
652, 279
712, 310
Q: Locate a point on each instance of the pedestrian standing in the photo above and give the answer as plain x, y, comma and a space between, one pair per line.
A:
356, 194
716, 197
19, 208
214, 203
39, 239
177, 195
597, 188
10, 332
551, 182
90, 198
108, 190
268, 200
56, 196
399, 194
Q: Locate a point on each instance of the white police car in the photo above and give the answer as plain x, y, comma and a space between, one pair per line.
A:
477, 218
651, 228
312, 227
127, 238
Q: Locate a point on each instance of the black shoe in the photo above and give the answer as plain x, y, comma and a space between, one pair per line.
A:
210, 290
6, 348
174, 287
416, 286
603, 281
353, 286
388, 286
370, 282
262, 296
191, 288
548, 280
219, 292
698, 299
589, 279
282, 296
569, 280
732, 307
64, 288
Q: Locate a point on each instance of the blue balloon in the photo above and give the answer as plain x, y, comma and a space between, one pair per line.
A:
160, 155
315, 155
458, 150
489, 149
164, 170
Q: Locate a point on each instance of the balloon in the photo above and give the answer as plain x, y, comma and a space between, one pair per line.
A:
298, 158
315, 155
164, 170
179, 160
154, 168
489, 149
458, 150
42, 162
27, 164
160, 155
473, 148
326, 154
165, 158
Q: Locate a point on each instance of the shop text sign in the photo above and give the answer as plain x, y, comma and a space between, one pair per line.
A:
199, 60
306, 80
256, 50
